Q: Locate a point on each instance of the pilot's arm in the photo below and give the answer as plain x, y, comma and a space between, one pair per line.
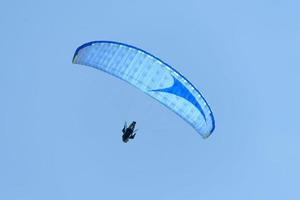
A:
125, 127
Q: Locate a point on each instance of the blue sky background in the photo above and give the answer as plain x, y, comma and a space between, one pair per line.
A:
60, 123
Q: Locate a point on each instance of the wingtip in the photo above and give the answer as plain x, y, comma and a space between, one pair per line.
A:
74, 59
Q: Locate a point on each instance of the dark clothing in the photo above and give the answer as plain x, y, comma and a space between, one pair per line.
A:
128, 133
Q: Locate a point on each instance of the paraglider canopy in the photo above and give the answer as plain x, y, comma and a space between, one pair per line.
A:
153, 77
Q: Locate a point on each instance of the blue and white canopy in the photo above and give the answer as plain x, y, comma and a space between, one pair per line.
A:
152, 76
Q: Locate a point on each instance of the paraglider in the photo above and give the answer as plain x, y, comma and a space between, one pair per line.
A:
152, 76
128, 132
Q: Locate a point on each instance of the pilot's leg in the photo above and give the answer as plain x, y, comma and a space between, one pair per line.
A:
132, 136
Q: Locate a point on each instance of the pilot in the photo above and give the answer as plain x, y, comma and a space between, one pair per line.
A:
128, 133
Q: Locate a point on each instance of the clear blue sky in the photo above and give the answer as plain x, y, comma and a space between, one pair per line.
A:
60, 123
